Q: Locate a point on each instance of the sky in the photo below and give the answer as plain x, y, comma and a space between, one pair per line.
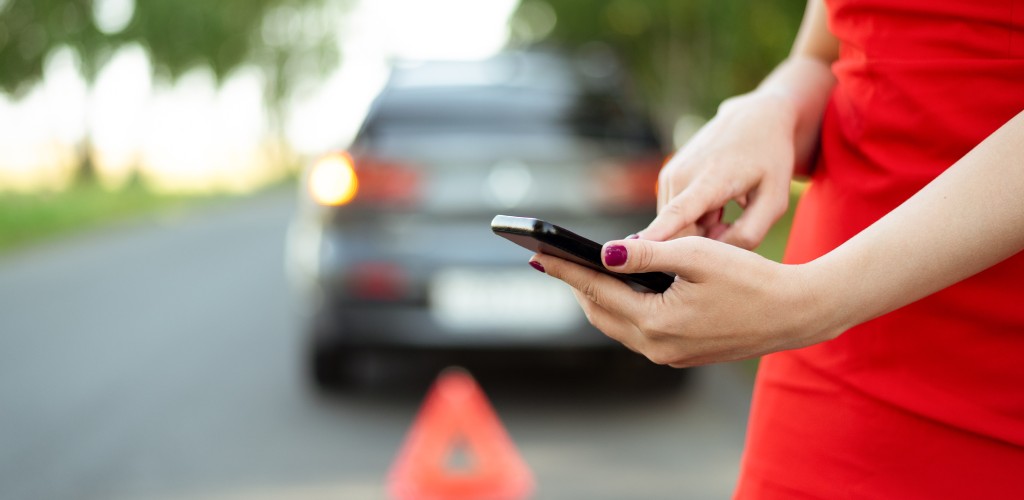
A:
192, 135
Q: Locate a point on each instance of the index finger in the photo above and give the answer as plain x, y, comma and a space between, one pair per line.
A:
681, 211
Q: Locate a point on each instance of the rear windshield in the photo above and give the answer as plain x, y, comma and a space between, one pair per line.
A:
507, 110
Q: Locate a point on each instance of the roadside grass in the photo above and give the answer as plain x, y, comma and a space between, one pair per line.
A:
26, 218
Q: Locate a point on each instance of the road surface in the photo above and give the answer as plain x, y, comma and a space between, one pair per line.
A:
159, 359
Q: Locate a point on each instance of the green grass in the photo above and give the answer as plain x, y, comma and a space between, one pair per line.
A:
25, 218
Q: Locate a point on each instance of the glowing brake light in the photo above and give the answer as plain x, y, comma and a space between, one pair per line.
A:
332, 180
382, 281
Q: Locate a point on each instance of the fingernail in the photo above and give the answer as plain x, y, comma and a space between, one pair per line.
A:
536, 265
615, 255
633, 236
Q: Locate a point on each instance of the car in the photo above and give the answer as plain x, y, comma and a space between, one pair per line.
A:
390, 246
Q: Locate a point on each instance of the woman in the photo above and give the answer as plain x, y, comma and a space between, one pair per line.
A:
897, 322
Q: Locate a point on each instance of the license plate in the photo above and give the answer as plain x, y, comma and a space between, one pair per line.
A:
502, 299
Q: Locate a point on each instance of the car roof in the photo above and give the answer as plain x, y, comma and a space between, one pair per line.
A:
521, 90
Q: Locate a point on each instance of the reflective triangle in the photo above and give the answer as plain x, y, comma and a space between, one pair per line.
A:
457, 448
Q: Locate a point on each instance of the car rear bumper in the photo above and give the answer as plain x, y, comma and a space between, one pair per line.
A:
417, 327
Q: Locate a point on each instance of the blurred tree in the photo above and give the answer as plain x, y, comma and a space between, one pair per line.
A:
283, 37
687, 56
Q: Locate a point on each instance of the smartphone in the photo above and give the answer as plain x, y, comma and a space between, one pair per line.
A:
545, 237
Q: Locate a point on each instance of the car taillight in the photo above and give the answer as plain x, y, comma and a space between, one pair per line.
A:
379, 281
386, 182
630, 184
332, 180
337, 179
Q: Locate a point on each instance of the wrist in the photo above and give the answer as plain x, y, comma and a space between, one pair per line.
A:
783, 111
766, 113
824, 313
774, 103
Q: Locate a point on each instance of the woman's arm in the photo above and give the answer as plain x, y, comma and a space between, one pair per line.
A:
748, 152
966, 220
806, 80
730, 304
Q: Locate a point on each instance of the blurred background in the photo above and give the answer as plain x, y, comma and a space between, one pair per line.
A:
157, 206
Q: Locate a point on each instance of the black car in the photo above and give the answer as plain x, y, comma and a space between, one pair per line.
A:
391, 245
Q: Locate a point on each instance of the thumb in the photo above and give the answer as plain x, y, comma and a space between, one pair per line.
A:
687, 257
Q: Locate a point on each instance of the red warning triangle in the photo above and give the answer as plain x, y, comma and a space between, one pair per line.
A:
456, 416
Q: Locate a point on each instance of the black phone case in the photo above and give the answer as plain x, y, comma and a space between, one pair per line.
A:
545, 237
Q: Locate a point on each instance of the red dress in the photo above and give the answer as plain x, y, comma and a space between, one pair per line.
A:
927, 401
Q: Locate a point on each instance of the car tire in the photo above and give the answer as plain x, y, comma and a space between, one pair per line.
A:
329, 368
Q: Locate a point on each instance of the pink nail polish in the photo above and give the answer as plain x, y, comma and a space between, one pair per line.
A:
615, 255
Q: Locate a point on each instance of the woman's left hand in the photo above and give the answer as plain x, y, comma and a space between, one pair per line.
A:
725, 304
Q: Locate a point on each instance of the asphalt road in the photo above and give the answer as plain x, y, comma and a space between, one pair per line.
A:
159, 359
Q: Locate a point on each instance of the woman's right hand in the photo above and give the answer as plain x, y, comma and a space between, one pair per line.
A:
746, 153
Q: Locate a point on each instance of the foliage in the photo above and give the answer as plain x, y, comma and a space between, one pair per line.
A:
688, 55
179, 34
289, 40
